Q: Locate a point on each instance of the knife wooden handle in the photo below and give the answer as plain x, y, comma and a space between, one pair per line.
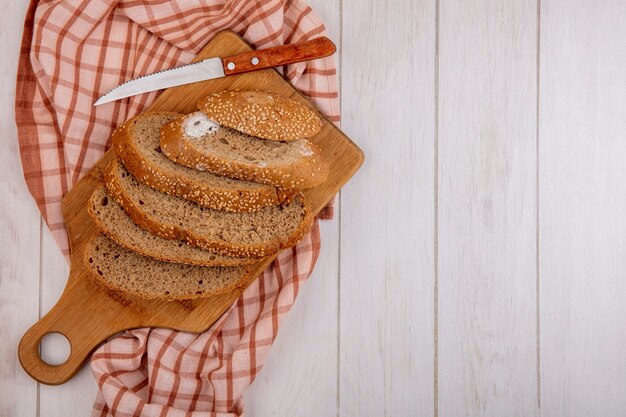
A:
278, 55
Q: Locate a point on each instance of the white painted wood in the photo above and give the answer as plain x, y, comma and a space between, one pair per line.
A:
19, 233
76, 397
582, 196
487, 207
387, 217
301, 372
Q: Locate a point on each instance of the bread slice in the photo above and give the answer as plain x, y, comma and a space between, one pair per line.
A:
111, 218
195, 141
129, 272
261, 114
254, 234
137, 143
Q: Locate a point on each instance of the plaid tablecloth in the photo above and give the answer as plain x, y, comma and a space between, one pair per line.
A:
72, 52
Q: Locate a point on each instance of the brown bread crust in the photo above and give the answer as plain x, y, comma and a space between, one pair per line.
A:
201, 258
156, 227
190, 295
307, 172
227, 199
261, 114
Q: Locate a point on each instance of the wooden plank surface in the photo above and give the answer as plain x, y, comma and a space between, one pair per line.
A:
19, 231
306, 346
87, 313
387, 212
582, 149
486, 209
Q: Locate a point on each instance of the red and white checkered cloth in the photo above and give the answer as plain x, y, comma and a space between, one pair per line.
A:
73, 51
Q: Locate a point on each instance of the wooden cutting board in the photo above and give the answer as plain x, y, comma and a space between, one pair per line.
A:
87, 313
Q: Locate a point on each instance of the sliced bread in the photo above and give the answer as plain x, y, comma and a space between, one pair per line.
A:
195, 141
129, 272
137, 143
254, 234
111, 218
261, 114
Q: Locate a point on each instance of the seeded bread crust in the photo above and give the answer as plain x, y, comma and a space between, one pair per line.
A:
120, 269
143, 216
202, 188
262, 114
307, 171
111, 219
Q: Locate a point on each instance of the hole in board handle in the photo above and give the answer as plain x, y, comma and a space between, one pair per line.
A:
54, 348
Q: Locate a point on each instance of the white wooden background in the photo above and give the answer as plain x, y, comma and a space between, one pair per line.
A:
477, 266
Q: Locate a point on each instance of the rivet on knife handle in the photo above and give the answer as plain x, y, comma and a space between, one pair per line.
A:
278, 55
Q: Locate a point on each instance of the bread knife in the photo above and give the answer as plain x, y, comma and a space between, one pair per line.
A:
222, 67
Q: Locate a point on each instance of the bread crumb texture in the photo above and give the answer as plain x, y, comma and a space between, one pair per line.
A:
192, 202
287, 165
111, 218
252, 235
130, 272
136, 142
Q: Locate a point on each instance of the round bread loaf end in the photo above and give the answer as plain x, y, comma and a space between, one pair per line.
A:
261, 114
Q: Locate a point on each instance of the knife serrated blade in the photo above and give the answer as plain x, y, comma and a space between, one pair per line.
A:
191, 73
217, 67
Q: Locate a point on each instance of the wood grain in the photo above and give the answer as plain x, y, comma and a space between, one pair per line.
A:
306, 347
301, 371
387, 216
487, 209
582, 171
86, 313
19, 228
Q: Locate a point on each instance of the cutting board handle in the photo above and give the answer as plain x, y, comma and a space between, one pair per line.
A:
72, 317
